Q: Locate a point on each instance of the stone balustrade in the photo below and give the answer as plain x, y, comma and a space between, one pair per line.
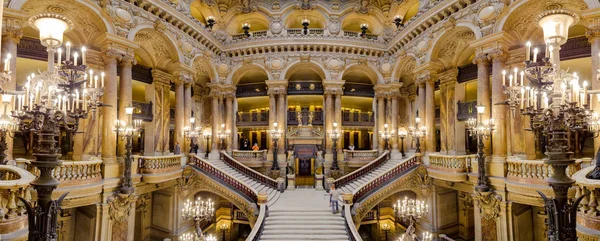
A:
453, 168
253, 159
588, 211
70, 173
14, 183
526, 177
156, 169
356, 159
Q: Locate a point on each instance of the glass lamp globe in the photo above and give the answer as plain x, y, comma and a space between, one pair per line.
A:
556, 24
51, 27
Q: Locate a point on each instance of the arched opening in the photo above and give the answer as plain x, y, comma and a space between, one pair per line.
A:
357, 109
252, 106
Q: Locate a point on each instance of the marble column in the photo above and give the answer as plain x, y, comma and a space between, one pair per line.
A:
430, 115
215, 125
229, 122
459, 126
156, 133
179, 112
593, 34
394, 125
483, 91
444, 119
500, 114
338, 119
328, 121
380, 121
420, 102
234, 131
125, 92
187, 113
447, 112
272, 119
10, 39
374, 143
109, 115
282, 120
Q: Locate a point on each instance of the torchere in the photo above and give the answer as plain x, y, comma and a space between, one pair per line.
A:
482, 129
334, 134
126, 130
192, 133
54, 99
210, 22
275, 135
402, 134
556, 106
417, 132
363, 28
207, 135
386, 135
246, 27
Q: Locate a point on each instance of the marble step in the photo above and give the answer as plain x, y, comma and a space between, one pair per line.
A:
303, 237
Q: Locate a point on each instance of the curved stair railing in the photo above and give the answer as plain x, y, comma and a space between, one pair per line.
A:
364, 170
353, 234
259, 226
249, 172
384, 178
214, 172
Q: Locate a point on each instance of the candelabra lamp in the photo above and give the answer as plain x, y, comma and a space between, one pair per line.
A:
386, 228
54, 99
275, 135
305, 24
198, 211
363, 28
246, 28
191, 133
398, 21
402, 133
126, 129
481, 129
417, 132
210, 22
557, 105
409, 210
224, 228
386, 135
223, 134
334, 134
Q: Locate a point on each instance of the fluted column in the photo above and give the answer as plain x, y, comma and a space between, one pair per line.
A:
187, 113
229, 121
10, 38
179, 112
430, 113
483, 90
125, 88
272, 118
500, 113
328, 121
281, 118
380, 121
109, 115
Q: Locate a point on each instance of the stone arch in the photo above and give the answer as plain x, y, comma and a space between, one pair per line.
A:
312, 65
204, 71
449, 46
293, 19
405, 67
258, 21
241, 70
88, 19
157, 49
353, 20
519, 19
362, 69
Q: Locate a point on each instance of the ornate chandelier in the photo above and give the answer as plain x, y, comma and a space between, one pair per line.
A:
410, 210
417, 131
198, 211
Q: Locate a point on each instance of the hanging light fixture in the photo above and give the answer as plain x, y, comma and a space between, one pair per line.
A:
364, 27
210, 22
410, 210
305, 24
198, 211
398, 21
246, 28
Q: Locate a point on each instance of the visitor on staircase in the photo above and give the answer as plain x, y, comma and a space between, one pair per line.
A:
333, 199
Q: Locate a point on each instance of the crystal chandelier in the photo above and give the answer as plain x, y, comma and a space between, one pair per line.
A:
193, 237
198, 211
556, 103
425, 236
410, 210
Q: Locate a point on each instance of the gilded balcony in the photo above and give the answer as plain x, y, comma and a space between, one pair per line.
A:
453, 168
157, 169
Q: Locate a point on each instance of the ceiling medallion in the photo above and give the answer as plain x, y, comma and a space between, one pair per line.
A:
55, 9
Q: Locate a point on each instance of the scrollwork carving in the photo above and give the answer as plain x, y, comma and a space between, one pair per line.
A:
489, 204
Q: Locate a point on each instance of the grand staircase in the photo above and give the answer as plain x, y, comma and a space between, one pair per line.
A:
304, 214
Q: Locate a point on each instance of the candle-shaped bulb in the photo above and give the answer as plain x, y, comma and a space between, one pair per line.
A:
75, 56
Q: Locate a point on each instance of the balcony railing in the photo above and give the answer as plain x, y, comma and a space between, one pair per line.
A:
360, 158
256, 34
260, 224
317, 118
14, 183
587, 212
351, 118
253, 118
453, 168
357, 35
71, 173
249, 172
224, 178
253, 159
143, 111
384, 178
300, 32
350, 177
523, 174
466, 110
157, 169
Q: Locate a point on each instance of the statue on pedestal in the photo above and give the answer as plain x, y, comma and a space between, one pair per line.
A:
311, 116
299, 117
291, 162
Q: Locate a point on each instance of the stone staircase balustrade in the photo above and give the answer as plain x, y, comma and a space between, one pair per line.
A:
364, 170
384, 178
253, 159
249, 172
14, 182
454, 168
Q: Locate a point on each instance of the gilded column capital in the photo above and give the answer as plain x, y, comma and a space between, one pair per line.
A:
116, 47
182, 77
331, 87
127, 60
12, 23
448, 77
592, 21
481, 59
497, 55
161, 77
276, 87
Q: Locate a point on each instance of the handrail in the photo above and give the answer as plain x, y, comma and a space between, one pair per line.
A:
260, 155
361, 154
451, 163
353, 234
361, 171
157, 164
70, 173
383, 178
238, 185
259, 225
534, 171
251, 173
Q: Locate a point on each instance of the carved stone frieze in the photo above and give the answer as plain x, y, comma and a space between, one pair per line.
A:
120, 207
489, 204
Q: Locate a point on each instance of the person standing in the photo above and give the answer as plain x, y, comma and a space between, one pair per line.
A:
334, 198
177, 149
255, 147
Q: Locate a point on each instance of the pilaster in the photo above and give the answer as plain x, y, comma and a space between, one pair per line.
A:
156, 140
448, 121
333, 90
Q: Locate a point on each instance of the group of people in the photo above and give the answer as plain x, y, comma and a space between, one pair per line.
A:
245, 144
193, 148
